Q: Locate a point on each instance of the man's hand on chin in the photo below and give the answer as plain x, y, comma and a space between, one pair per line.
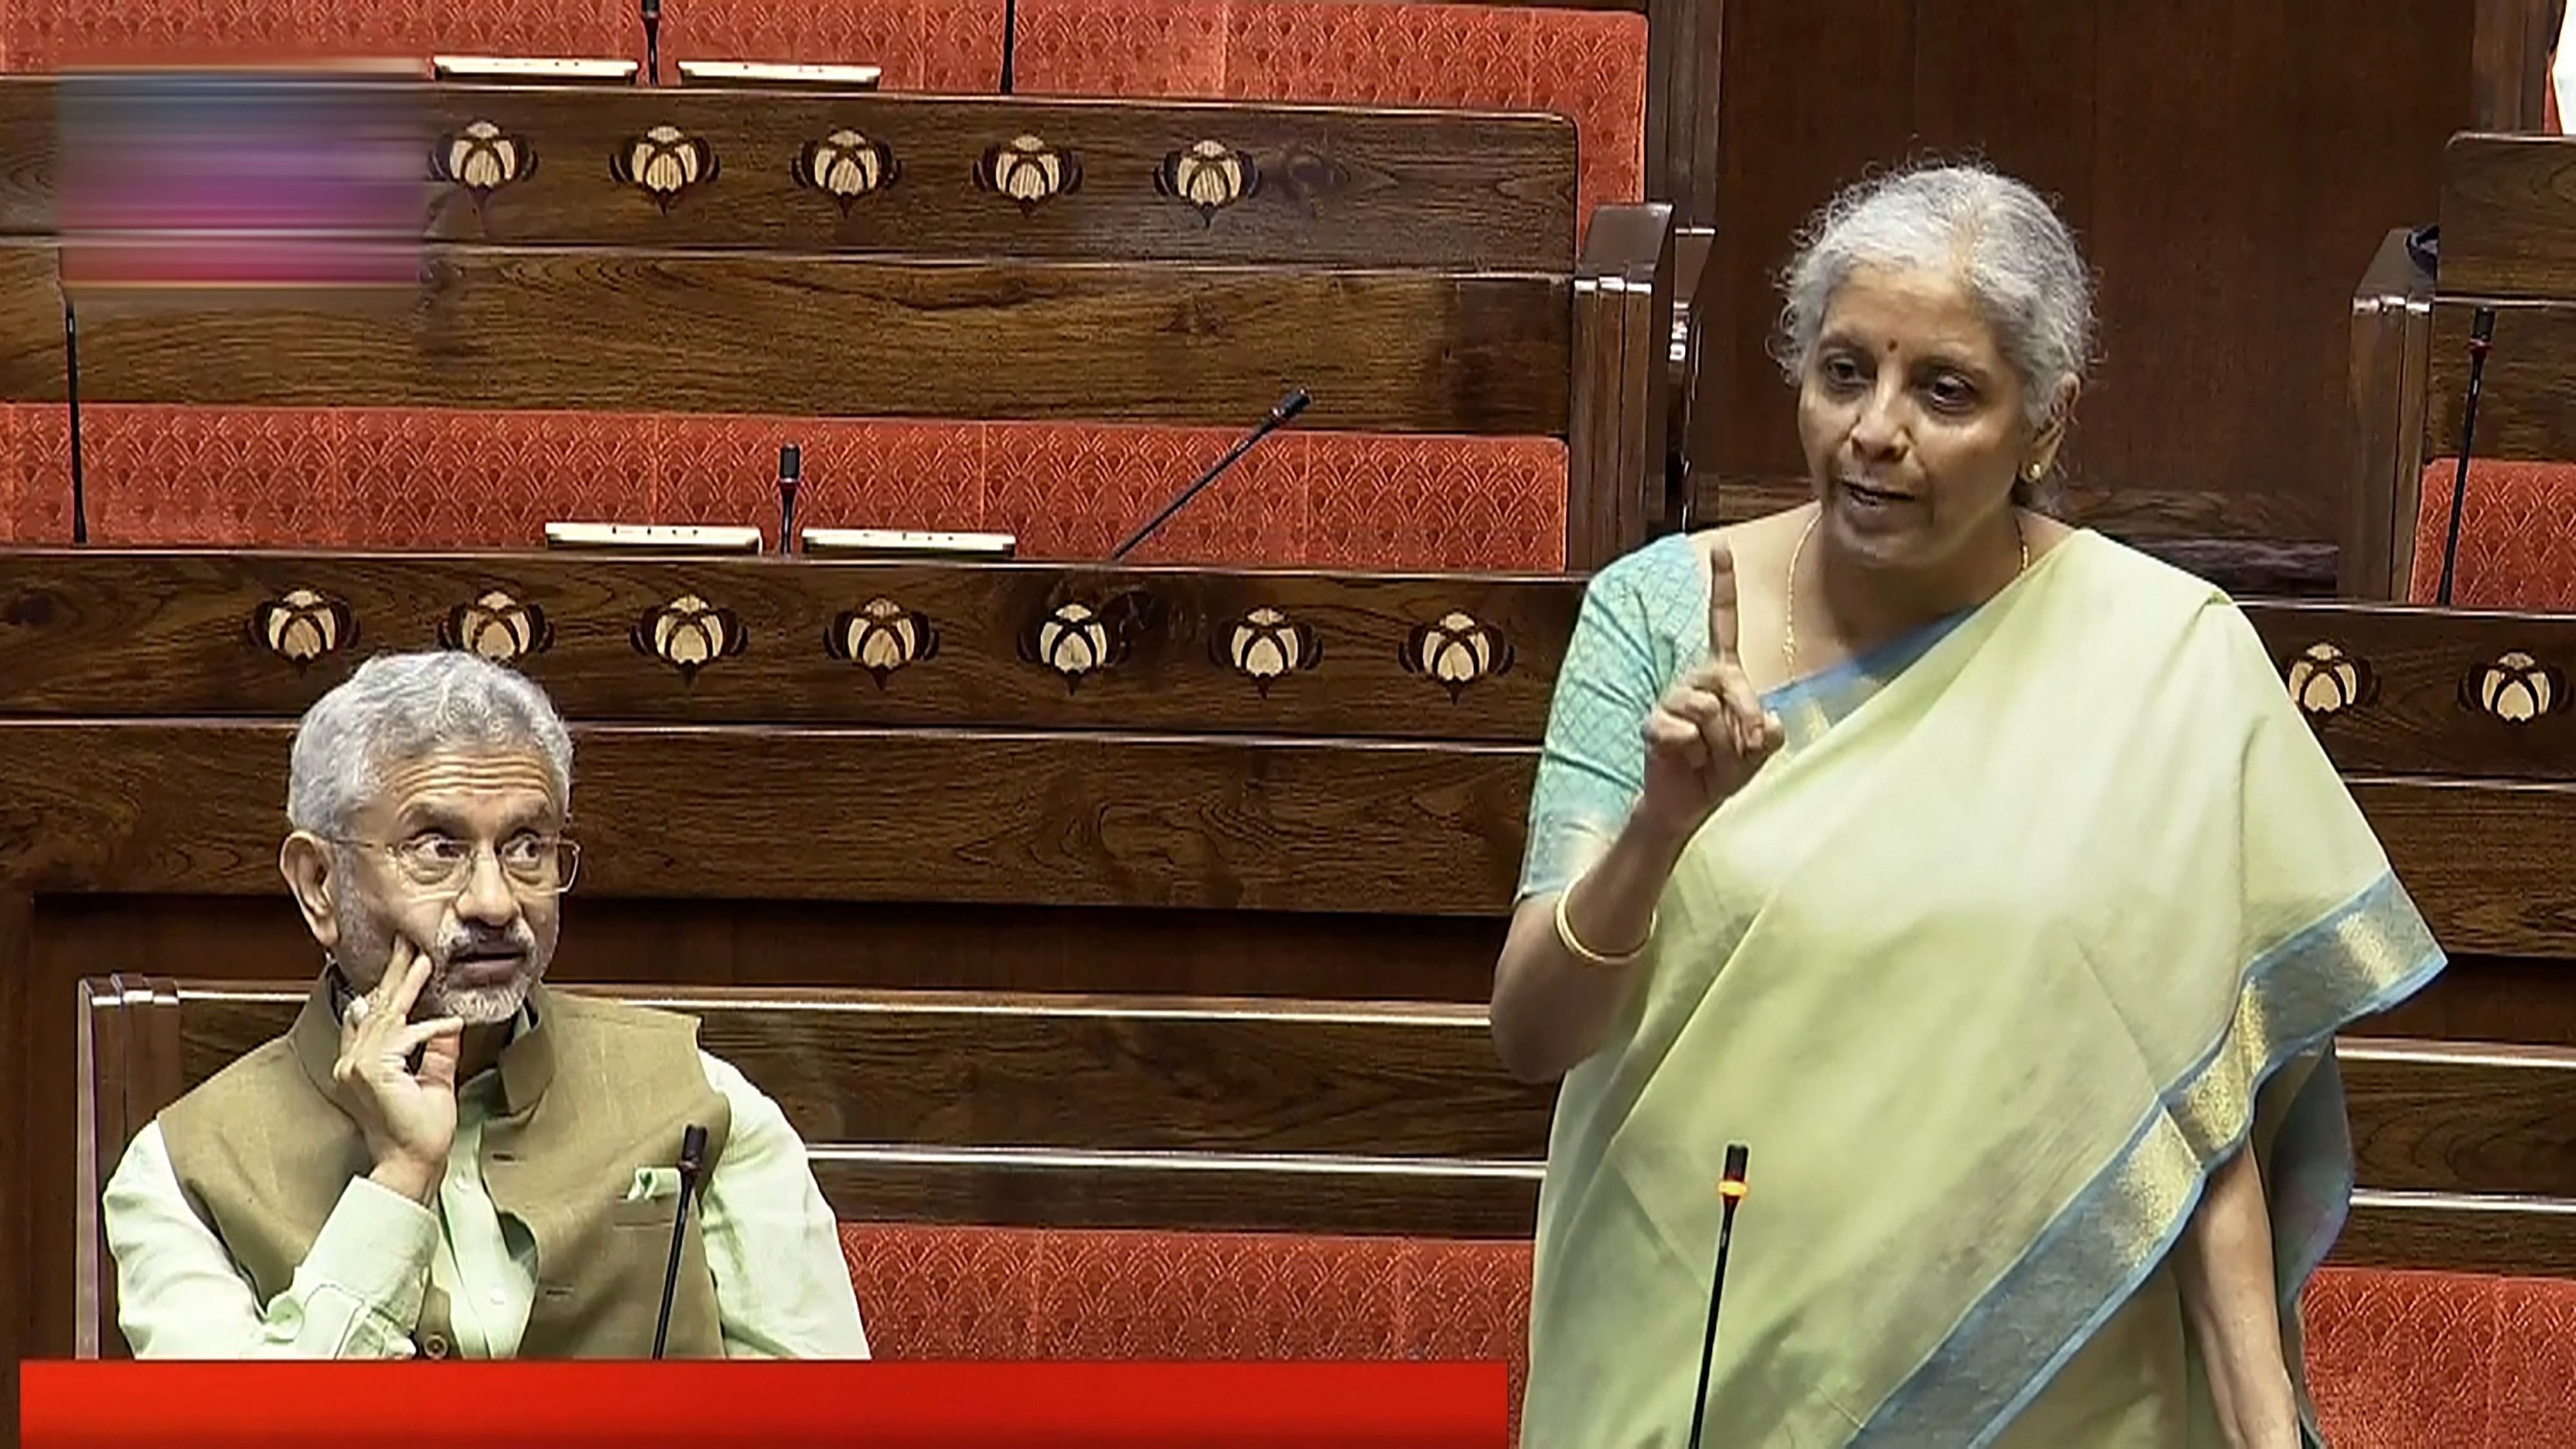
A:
408, 1114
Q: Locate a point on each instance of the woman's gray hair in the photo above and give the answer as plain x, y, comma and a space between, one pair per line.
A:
2004, 243
399, 708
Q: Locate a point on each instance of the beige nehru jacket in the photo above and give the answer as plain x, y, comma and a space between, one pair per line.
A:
550, 1231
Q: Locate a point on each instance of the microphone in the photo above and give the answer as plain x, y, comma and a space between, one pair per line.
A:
1290, 406
652, 42
791, 469
1730, 1189
2481, 333
71, 396
693, 1159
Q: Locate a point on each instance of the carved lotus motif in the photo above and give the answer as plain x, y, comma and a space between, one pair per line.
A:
300, 626
881, 636
665, 161
689, 634
1208, 175
2516, 689
1074, 641
2325, 681
1265, 645
845, 166
1457, 650
482, 158
497, 627
1029, 171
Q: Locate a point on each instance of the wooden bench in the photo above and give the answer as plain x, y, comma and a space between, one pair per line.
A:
1048, 280
1330, 1117
2508, 241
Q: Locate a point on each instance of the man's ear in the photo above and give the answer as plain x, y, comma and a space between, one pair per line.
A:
306, 860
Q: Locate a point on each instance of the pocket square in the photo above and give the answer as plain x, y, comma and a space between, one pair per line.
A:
653, 1182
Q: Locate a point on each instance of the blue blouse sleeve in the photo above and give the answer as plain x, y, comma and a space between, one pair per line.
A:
1592, 766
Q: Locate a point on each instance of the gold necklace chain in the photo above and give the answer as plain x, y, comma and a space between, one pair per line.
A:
1789, 599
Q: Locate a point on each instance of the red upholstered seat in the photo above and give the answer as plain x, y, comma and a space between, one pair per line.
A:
424, 478
2397, 1360
2517, 535
404, 479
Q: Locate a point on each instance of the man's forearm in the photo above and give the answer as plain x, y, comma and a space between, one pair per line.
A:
2224, 1270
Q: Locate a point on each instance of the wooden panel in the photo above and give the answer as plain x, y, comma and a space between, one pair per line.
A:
2478, 998
2437, 690
763, 333
1078, 1192
1150, 1075
2526, 401
170, 633
2509, 216
1337, 957
1329, 185
2458, 1118
1785, 143
2511, 60
2225, 288
2521, 1236
2487, 864
23, 1172
1106, 820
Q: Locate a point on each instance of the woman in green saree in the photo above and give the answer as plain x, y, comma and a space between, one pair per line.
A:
1974, 870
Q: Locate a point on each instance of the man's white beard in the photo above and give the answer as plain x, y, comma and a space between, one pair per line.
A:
478, 1005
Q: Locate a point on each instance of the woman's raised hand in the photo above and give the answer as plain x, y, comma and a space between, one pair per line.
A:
1709, 733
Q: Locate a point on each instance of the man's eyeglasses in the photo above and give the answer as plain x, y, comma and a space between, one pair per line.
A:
532, 864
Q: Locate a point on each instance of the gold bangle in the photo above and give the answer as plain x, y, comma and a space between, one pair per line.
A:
1585, 954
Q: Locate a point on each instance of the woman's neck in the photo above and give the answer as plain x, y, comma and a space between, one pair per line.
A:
1869, 604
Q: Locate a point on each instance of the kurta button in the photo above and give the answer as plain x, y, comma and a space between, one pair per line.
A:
434, 1346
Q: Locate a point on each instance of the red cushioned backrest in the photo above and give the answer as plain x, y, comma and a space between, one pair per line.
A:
974, 1292
2517, 535
2397, 1360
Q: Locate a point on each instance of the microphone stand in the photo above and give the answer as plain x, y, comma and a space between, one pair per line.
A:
791, 469
652, 10
1730, 1189
693, 1154
1010, 40
71, 397
2481, 335
1288, 407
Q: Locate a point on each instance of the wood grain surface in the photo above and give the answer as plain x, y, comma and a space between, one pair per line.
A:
751, 332
957, 816
124, 634
2509, 216
1327, 185
2526, 400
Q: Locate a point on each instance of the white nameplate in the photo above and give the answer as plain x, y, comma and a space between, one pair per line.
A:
764, 73
690, 538
536, 68
892, 542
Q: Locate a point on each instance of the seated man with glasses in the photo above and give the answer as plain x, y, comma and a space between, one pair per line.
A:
439, 1157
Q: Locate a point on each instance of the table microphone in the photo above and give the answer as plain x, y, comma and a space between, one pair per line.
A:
791, 471
2481, 333
1290, 406
1730, 1191
652, 42
693, 1159
71, 398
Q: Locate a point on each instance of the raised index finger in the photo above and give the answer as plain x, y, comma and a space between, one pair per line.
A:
1721, 602
405, 974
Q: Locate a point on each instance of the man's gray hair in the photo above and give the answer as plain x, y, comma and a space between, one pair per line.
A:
2017, 260
399, 708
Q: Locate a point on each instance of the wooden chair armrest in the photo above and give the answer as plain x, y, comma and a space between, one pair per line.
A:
1617, 441
2392, 325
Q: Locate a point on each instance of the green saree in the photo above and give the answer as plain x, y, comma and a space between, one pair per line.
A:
2040, 913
